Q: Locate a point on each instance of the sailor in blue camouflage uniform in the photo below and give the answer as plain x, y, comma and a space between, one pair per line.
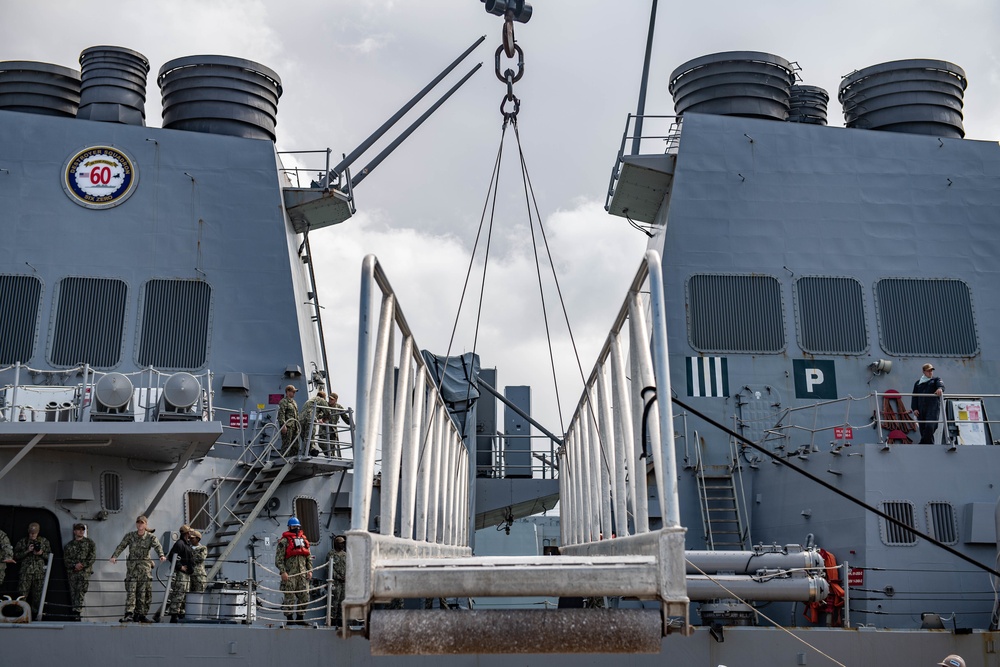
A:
6, 554
288, 420
139, 572
79, 555
294, 562
32, 553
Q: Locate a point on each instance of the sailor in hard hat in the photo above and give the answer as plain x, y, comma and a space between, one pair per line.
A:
294, 563
952, 661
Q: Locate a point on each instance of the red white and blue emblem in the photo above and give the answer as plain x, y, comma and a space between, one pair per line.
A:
100, 177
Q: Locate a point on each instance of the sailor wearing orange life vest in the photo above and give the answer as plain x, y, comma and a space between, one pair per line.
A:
294, 562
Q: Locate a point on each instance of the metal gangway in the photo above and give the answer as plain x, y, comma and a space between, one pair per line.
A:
610, 546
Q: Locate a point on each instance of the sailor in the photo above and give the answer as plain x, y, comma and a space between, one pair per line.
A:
139, 572
314, 414
338, 585
79, 555
32, 552
337, 412
926, 403
199, 578
288, 418
6, 554
953, 661
294, 563
182, 575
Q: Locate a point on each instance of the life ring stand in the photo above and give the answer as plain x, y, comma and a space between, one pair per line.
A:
14, 611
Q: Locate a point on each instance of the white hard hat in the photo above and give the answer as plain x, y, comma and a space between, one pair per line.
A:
953, 661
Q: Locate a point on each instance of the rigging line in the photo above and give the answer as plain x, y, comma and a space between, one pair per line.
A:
486, 254
562, 304
494, 179
760, 613
538, 273
830, 487
491, 190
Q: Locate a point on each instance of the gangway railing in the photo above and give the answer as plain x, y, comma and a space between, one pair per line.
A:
425, 464
622, 423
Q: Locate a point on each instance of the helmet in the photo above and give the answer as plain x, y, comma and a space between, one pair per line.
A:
295, 522
953, 661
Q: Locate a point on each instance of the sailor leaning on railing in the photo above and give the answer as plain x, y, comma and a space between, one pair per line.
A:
926, 403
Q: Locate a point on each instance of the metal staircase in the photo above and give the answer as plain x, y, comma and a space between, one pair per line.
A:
242, 513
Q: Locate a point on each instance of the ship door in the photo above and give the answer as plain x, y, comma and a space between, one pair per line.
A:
757, 413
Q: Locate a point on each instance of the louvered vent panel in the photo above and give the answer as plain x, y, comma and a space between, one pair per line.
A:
90, 320
893, 534
175, 317
19, 297
735, 314
831, 315
111, 491
926, 317
941, 519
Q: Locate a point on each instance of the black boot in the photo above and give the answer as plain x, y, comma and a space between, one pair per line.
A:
300, 620
127, 618
173, 618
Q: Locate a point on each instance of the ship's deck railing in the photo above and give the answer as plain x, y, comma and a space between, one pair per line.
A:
253, 431
663, 135
541, 458
296, 174
838, 422
49, 396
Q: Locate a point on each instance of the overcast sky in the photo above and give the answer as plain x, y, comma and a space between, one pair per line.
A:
347, 65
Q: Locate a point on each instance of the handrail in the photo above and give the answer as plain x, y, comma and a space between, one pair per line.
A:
786, 422
603, 480
425, 463
419, 440
671, 142
150, 385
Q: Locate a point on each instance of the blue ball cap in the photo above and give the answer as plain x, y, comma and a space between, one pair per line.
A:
293, 522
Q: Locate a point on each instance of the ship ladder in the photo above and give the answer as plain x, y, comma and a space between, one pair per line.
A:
245, 509
720, 511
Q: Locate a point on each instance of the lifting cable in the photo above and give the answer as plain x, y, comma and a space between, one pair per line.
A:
510, 106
